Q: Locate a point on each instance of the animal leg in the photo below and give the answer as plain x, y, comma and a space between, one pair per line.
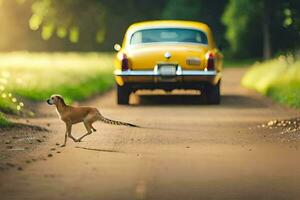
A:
88, 127
92, 120
68, 126
69, 129
93, 128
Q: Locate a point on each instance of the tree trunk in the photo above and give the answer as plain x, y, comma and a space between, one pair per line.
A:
267, 49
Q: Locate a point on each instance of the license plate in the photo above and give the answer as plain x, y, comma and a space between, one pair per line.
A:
167, 70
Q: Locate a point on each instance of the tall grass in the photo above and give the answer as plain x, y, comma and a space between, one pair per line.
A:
35, 76
278, 78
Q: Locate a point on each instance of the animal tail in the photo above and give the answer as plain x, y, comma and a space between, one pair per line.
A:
114, 122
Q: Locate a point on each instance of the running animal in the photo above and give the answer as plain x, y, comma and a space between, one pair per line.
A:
72, 115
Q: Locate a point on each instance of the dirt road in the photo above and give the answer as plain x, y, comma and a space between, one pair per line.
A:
188, 151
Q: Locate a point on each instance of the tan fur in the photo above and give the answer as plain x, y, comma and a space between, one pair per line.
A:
72, 115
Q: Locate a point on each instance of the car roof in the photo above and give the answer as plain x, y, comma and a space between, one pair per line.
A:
169, 23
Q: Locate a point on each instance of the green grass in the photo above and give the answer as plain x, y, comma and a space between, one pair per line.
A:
3, 121
278, 78
35, 76
7, 106
234, 63
287, 93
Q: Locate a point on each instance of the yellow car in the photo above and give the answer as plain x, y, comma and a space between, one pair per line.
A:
168, 55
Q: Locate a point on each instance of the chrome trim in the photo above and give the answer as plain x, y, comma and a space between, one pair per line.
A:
179, 71
155, 72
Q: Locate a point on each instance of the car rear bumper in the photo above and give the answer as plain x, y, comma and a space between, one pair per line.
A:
155, 74
154, 77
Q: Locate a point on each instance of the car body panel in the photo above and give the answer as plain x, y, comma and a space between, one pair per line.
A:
155, 54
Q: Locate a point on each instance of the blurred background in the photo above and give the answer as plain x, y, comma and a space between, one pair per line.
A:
46, 40
246, 28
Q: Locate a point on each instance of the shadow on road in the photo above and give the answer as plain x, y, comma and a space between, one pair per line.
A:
101, 150
237, 101
170, 100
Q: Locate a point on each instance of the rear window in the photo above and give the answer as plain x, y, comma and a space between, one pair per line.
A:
168, 35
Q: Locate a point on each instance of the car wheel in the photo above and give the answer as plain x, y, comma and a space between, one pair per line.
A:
123, 93
212, 93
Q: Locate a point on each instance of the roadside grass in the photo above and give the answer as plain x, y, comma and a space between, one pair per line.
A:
236, 63
7, 106
278, 78
36, 76
3, 121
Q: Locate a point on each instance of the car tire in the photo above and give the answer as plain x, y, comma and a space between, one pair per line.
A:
123, 93
212, 93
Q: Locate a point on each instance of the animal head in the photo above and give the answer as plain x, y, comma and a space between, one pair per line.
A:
55, 99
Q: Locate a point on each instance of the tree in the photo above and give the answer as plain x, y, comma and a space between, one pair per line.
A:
103, 21
241, 32
67, 18
252, 28
207, 11
260, 27
182, 10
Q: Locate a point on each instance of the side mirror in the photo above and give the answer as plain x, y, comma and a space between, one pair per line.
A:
117, 47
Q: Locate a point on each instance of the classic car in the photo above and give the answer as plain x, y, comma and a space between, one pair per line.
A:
168, 55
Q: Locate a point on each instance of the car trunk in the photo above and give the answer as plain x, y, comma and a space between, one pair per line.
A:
188, 56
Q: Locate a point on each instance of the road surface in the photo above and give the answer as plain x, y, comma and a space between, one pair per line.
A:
186, 151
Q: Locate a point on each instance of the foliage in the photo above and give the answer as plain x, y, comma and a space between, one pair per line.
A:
77, 19
278, 78
245, 21
79, 25
181, 9
237, 18
205, 11
68, 18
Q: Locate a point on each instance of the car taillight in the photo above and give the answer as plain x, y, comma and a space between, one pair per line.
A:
125, 63
210, 62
